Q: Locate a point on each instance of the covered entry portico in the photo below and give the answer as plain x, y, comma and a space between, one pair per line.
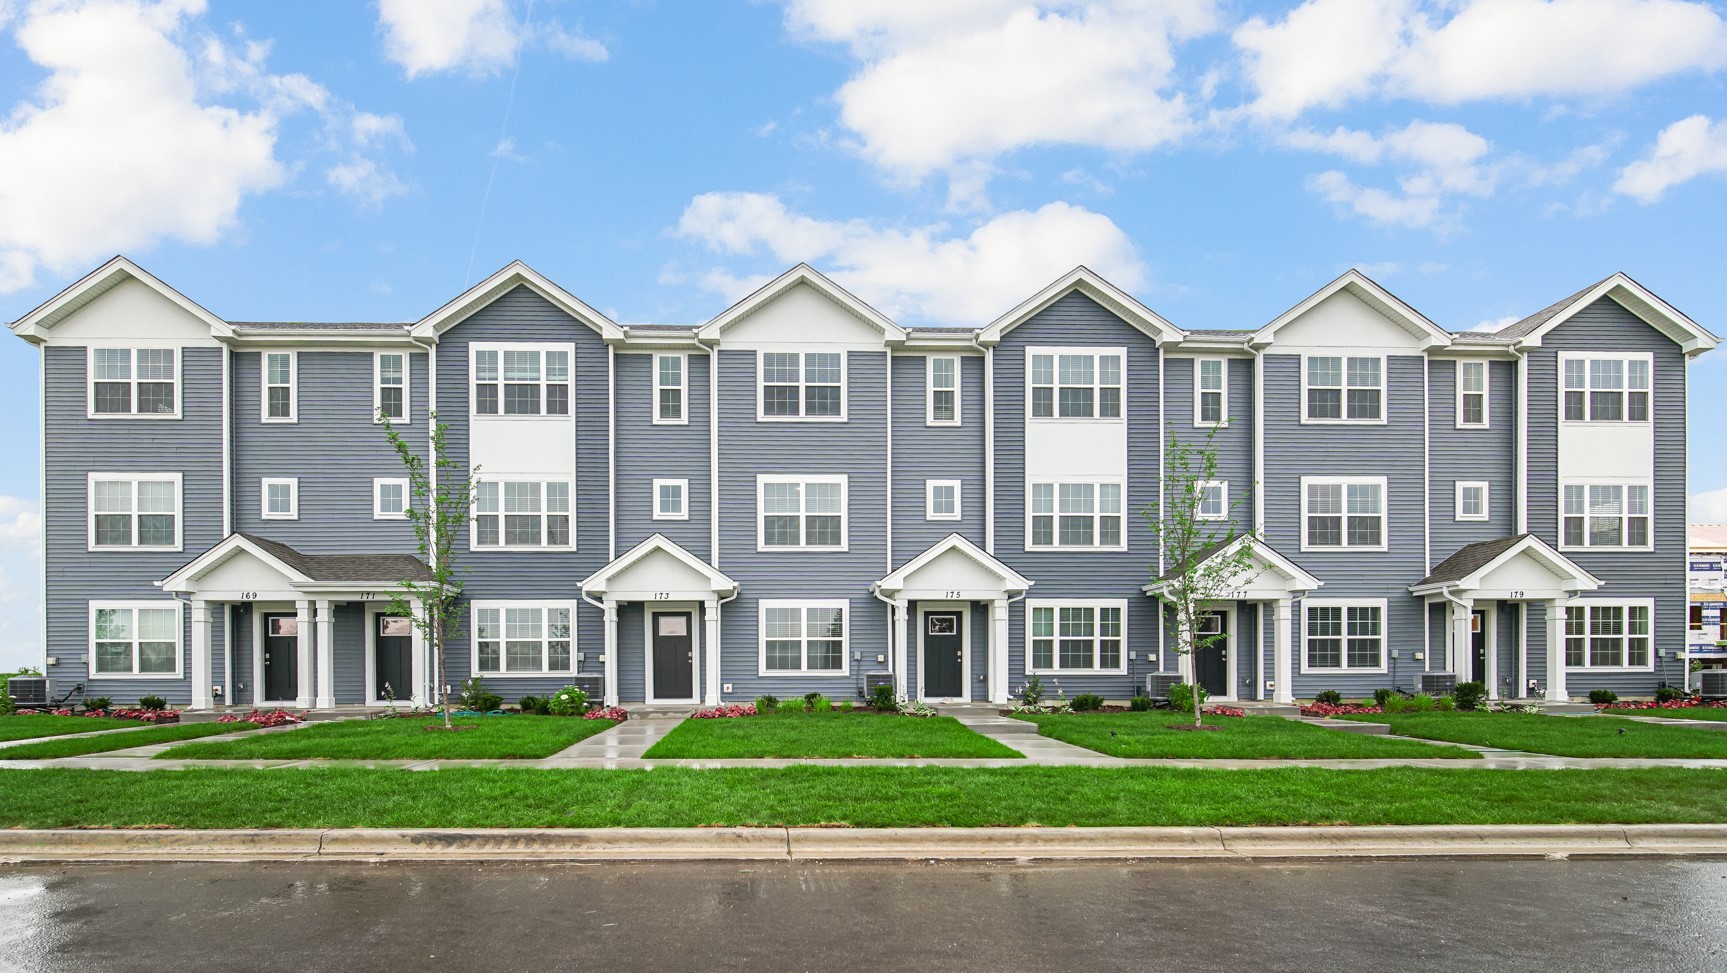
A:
944, 583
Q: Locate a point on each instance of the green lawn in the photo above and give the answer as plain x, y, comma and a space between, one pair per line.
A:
403, 739
1717, 713
31, 727
1250, 737
827, 735
77, 746
335, 797
1565, 736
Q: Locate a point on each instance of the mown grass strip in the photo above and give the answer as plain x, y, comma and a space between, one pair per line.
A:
32, 727
1563, 736
1713, 713
78, 746
1236, 737
826, 735
408, 738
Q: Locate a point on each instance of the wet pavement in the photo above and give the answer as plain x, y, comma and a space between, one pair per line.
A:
1471, 916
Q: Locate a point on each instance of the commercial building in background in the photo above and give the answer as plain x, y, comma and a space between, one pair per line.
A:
1705, 641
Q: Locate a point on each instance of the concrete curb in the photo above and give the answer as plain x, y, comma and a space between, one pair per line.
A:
866, 844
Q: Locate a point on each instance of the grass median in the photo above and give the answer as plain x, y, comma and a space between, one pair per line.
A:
826, 735
404, 738
1236, 737
32, 727
1563, 736
1709, 713
78, 746
333, 797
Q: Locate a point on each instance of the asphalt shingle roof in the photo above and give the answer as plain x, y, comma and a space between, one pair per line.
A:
346, 567
1469, 559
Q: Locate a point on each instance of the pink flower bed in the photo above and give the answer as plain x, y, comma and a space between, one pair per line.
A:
118, 713
725, 712
1675, 704
275, 717
607, 713
1344, 709
1224, 711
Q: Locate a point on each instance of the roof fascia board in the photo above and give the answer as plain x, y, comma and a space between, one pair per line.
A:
36, 325
1088, 282
1373, 295
895, 579
225, 548
475, 298
600, 580
1690, 336
800, 274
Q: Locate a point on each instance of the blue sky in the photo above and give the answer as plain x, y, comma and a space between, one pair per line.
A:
349, 161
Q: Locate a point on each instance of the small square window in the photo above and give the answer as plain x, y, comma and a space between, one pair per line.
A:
671, 500
281, 499
390, 499
942, 500
1471, 501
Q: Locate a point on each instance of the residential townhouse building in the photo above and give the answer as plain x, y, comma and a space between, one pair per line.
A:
801, 495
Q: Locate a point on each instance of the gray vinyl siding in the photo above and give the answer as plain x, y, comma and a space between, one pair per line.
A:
1506, 629
1076, 320
1393, 450
1606, 326
75, 446
647, 452
1247, 651
348, 630
1233, 441
856, 448
923, 452
632, 652
1471, 454
335, 450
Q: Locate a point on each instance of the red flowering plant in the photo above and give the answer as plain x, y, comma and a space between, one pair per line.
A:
261, 718
1225, 711
724, 712
1691, 703
1338, 709
141, 715
617, 713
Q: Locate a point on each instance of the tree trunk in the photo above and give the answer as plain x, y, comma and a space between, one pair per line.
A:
443, 677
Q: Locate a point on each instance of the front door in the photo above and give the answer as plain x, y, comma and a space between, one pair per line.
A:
943, 654
1478, 647
674, 656
1211, 653
281, 657
393, 652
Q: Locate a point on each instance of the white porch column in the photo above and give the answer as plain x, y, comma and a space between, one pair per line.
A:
900, 688
1556, 690
611, 646
326, 656
1282, 651
1462, 661
419, 662
303, 652
1183, 660
711, 650
1490, 640
998, 649
200, 654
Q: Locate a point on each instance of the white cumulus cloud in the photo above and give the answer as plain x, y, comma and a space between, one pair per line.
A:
1684, 150
1439, 161
1709, 507
479, 37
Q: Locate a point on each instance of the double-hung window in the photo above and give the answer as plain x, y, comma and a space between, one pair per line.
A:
671, 390
1075, 383
1609, 635
522, 514
671, 500
801, 385
279, 397
1213, 500
1471, 395
1078, 515
942, 406
139, 638
1343, 389
1210, 387
803, 637
1344, 636
941, 499
521, 380
280, 498
514, 638
390, 499
135, 382
134, 511
1076, 636
1606, 389
1471, 502
1343, 513
801, 513
390, 386
1605, 515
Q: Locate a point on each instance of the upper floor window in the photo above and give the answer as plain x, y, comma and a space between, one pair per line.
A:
280, 499
1606, 389
943, 403
390, 386
941, 499
390, 499
1344, 389
803, 637
134, 638
138, 511
522, 514
1072, 636
1343, 512
513, 638
281, 375
1472, 394
1471, 500
1605, 515
1608, 635
1075, 383
140, 382
802, 385
1081, 515
671, 500
671, 389
1209, 390
805, 513
1213, 500
1344, 636
521, 380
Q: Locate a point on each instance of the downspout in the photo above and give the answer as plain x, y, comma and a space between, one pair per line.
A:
713, 453
892, 636
433, 690
607, 659
1451, 628
612, 454
988, 442
889, 471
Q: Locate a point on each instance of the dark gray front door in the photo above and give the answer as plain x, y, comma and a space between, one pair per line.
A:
943, 652
674, 656
394, 648
1211, 663
281, 657
1478, 647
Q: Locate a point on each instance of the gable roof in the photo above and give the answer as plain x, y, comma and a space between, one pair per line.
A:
601, 579
810, 277
1088, 282
301, 569
35, 326
1011, 580
1691, 337
1369, 292
1471, 561
516, 274
1298, 577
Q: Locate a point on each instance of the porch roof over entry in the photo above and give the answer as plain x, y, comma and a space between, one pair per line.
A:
952, 569
1518, 567
658, 569
265, 569
1268, 576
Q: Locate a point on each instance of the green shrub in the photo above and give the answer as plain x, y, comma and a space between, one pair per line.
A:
568, 701
535, 705
1422, 703
1381, 695
883, 699
1032, 692
1329, 697
476, 697
1393, 704
846, 706
1445, 704
1181, 696
767, 703
821, 704
1087, 701
794, 706
1470, 696
1603, 697
97, 702
1670, 694
152, 703
810, 700
1139, 704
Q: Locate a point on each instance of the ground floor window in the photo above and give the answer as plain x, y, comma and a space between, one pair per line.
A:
803, 637
1344, 636
1076, 636
1608, 635
524, 638
134, 639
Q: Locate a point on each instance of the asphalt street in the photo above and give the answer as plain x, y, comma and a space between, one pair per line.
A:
1391, 915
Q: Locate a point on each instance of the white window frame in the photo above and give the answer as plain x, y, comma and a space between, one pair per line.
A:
929, 489
1222, 486
930, 389
378, 511
293, 485
803, 384
132, 382
1625, 515
134, 478
804, 639
1624, 637
1457, 500
474, 544
1486, 393
683, 511
1200, 392
1057, 604
499, 348
1346, 482
762, 480
1624, 358
1345, 604
1097, 383
1097, 514
179, 637
407, 387
503, 640
292, 385
1343, 390
682, 388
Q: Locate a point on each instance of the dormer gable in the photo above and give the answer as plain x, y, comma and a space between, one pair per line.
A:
120, 300
1352, 312
1088, 282
801, 307
516, 274
1691, 337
